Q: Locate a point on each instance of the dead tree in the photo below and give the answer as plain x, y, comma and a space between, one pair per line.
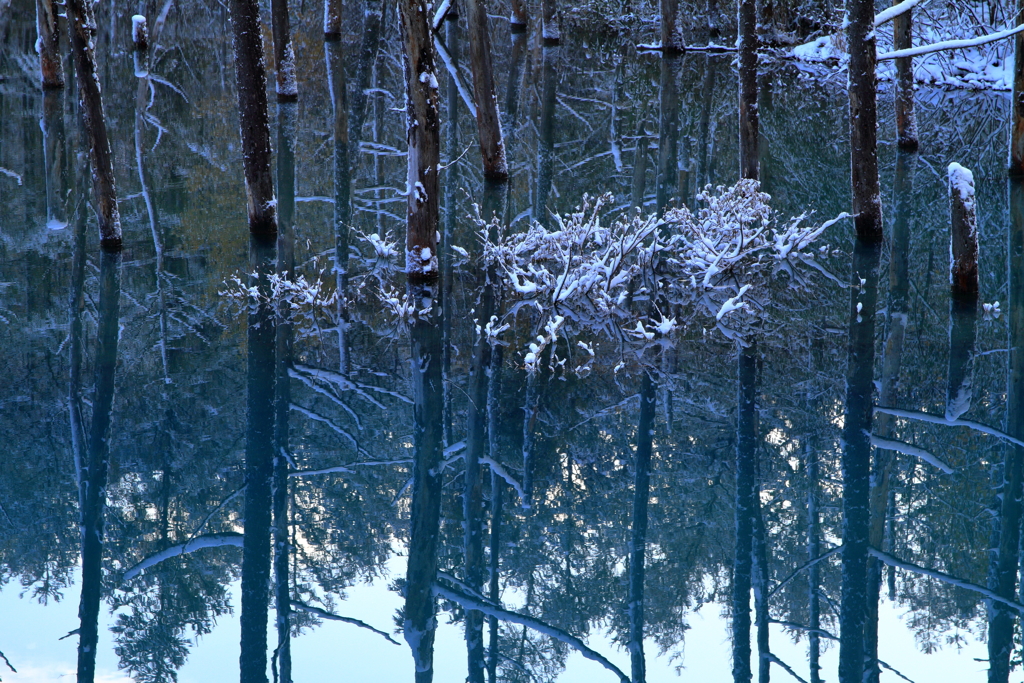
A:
746, 468
82, 27
49, 44
284, 53
867, 204
254, 119
492, 147
423, 134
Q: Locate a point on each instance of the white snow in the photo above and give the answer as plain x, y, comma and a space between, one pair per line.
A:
139, 29
961, 181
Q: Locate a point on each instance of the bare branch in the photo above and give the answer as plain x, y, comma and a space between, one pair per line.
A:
324, 614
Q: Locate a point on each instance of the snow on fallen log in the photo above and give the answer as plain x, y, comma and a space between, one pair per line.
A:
198, 543
907, 449
936, 419
492, 610
945, 578
951, 44
324, 614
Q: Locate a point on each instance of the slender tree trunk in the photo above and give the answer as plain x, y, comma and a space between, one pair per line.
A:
671, 37
420, 621
546, 142
367, 58
48, 44
1017, 103
93, 475
708, 100
332, 20
746, 454
253, 116
519, 18
639, 184
550, 33
423, 136
760, 585
492, 147
497, 494
749, 124
638, 538
452, 187
813, 574
82, 25
963, 235
857, 461
284, 53
286, 119
1001, 619
343, 160
906, 119
55, 159
668, 134
867, 204
259, 465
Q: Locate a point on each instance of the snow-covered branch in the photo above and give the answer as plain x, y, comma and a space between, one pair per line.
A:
908, 449
324, 614
951, 44
197, 543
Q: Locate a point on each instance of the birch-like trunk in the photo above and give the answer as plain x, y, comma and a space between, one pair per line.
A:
92, 479
857, 460
867, 203
253, 117
746, 467
284, 53
906, 119
259, 464
492, 146
48, 44
638, 536
749, 125
420, 620
423, 136
82, 27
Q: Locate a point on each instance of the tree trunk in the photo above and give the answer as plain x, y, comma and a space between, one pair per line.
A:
857, 460
550, 33
668, 134
284, 53
519, 18
497, 491
492, 147
367, 58
1017, 104
420, 622
452, 187
638, 538
963, 234
82, 28
546, 141
813, 574
49, 44
671, 37
55, 159
906, 119
423, 136
343, 160
746, 454
749, 125
259, 465
867, 204
253, 116
332, 20
93, 474
760, 585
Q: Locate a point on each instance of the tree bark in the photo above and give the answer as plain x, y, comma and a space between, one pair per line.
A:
1017, 103
671, 37
546, 141
857, 460
550, 33
254, 118
420, 621
668, 134
284, 53
638, 538
423, 137
746, 454
259, 465
332, 20
49, 44
813, 573
82, 26
867, 204
519, 18
55, 158
906, 119
963, 235
492, 147
750, 166
93, 473
497, 495
343, 160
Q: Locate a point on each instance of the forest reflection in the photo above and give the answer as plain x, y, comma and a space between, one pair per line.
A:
850, 439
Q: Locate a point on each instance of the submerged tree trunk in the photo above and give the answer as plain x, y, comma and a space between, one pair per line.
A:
857, 460
259, 464
423, 136
906, 119
546, 141
82, 28
749, 121
638, 538
813, 573
497, 495
867, 204
48, 44
668, 134
746, 468
1017, 104
284, 53
253, 117
1000, 617
420, 621
492, 147
519, 18
452, 185
93, 473
759, 583
332, 20
342, 190
55, 158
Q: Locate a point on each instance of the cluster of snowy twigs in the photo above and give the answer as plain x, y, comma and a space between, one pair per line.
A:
639, 278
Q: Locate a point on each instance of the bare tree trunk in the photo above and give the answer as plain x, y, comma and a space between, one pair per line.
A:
284, 53
1017, 103
48, 44
497, 491
254, 118
546, 141
867, 203
963, 233
671, 37
638, 538
519, 18
367, 58
82, 28
343, 160
760, 585
750, 166
906, 119
492, 147
423, 136
857, 460
93, 473
55, 159
451, 191
332, 19
420, 621
259, 465
550, 34
668, 134
746, 454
